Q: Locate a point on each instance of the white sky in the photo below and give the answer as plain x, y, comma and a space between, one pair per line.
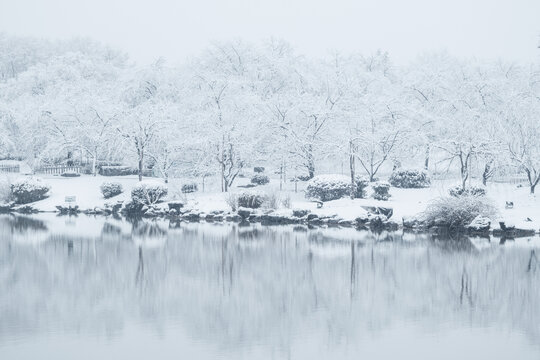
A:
175, 29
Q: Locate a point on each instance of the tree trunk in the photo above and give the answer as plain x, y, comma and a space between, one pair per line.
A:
488, 172
426, 160
532, 188
141, 163
352, 169
310, 162
94, 167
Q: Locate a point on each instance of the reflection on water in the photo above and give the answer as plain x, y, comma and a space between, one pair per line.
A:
107, 288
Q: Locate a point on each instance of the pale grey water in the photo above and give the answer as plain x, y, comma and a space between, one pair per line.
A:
96, 288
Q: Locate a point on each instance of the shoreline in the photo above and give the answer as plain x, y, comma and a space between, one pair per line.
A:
374, 222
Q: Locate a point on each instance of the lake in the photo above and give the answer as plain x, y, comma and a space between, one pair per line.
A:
93, 287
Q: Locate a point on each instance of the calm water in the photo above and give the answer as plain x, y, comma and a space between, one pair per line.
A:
95, 288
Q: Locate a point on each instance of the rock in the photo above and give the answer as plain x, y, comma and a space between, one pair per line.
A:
244, 213
379, 210
25, 209
176, 205
480, 224
414, 222
362, 220
6, 207
68, 209
311, 217
192, 216
510, 231
300, 212
345, 223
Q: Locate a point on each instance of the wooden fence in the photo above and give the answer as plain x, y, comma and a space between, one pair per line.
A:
58, 169
10, 168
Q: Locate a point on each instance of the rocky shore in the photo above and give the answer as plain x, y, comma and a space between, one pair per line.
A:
374, 218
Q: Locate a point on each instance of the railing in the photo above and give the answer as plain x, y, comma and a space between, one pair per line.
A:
58, 169
10, 168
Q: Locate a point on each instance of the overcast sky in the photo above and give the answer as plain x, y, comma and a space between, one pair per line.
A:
176, 29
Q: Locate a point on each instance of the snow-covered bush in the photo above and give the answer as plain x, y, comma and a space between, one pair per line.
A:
410, 179
258, 169
251, 199
110, 189
148, 192
455, 212
189, 188
361, 184
70, 174
472, 190
117, 171
260, 179
381, 190
27, 190
5, 189
328, 187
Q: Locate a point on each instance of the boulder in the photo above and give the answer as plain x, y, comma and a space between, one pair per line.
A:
6, 207
300, 212
176, 205
244, 213
311, 217
379, 210
414, 222
480, 224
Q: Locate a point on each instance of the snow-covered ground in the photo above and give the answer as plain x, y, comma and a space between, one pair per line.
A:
405, 202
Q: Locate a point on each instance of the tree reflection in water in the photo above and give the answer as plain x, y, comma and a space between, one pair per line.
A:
232, 286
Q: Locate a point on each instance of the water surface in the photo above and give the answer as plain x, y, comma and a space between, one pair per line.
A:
93, 287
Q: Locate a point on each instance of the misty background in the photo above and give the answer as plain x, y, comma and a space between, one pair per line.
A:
178, 29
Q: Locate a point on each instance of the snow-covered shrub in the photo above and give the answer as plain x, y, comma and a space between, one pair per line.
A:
5, 189
232, 200
258, 169
70, 174
410, 179
189, 188
286, 201
328, 187
251, 199
260, 179
361, 184
148, 192
455, 212
27, 190
472, 190
381, 190
110, 189
117, 171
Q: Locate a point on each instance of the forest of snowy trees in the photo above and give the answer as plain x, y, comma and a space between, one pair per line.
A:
240, 104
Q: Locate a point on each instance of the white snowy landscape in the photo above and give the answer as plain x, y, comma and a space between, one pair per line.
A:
270, 181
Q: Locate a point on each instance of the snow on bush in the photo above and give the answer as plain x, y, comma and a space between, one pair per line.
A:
328, 187
381, 190
410, 179
5, 189
189, 188
27, 190
456, 212
148, 192
260, 179
472, 190
117, 171
110, 189
361, 184
70, 174
251, 199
